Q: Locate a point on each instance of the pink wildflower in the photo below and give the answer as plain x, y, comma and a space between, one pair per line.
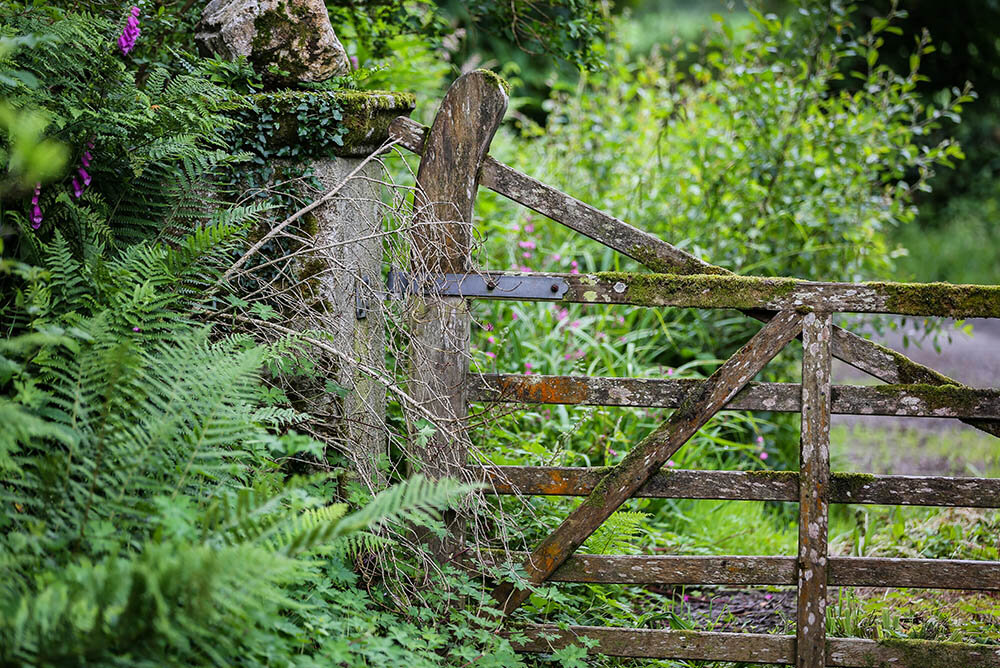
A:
136, 329
36, 211
760, 440
354, 62
527, 365
529, 245
671, 463
513, 315
686, 598
621, 320
556, 257
574, 324
488, 326
526, 255
516, 228
529, 228
612, 452
767, 597
491, 355
525, 268
491, 339
763, 455
670, 372
574, 264
131, 32
562, 314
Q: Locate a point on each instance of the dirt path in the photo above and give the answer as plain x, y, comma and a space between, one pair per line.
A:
926, 446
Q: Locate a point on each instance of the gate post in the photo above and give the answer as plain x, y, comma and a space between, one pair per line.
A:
447, 180
814, 492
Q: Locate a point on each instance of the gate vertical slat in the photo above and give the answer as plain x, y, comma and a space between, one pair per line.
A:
447, 180
646, 458
814, 491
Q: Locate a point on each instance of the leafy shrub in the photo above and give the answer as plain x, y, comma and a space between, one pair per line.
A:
759, 157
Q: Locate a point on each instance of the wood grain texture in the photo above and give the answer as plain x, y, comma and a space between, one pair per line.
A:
861, 488
752, 293
757, 648
901, 400
571, 212
814, 492
737, 570
447, 180
646, 458
882, 363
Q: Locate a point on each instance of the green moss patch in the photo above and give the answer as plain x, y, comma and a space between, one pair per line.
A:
942, 299
960, 399
322, 124
703, 290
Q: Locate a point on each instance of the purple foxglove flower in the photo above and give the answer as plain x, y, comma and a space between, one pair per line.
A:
86, 158
36, 212
131, 32
77, 190
84, 176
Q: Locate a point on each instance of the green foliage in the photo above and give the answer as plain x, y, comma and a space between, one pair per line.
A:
956, 242
617, 534
153, 148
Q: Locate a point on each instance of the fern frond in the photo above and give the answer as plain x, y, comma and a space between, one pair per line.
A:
617, 534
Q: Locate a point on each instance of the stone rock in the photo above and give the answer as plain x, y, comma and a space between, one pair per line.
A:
294, 35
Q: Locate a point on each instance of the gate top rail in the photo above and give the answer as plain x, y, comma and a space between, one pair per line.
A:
746, 293
454, 156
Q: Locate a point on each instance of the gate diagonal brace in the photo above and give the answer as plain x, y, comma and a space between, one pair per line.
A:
479, 286
646, 458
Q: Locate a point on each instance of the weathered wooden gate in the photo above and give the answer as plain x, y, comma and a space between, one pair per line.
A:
453, 163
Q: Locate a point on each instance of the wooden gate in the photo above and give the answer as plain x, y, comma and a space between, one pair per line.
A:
453, 163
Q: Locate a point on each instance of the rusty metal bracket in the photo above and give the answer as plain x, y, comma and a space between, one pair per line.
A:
480, 286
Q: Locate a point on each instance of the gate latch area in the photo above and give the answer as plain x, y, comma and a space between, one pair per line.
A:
480, 286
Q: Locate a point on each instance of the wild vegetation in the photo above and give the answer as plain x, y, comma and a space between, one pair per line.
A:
163, 502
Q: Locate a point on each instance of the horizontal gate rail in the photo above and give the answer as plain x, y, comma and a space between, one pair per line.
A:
738, 570
780, 649
899, 400
860, 488
753, 293
579, 216
652, 453
454, 157
659, 256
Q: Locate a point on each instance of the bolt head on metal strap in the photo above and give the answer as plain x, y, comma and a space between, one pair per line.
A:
482, 286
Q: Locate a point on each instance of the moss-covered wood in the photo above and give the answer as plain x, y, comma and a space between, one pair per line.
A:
310, 124
860, 488
659, 256
919, 400
750, 293
579, 216
646, 458
739, 570
756, 648
814, 492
